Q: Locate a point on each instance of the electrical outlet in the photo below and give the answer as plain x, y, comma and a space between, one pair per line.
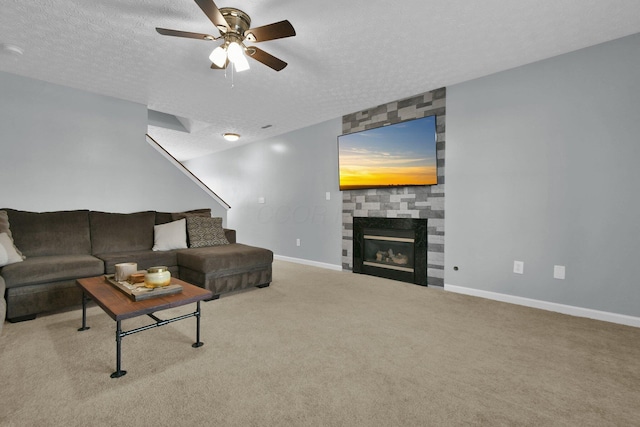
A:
297, 242
558, 272
328, 195
518, 267
261, 200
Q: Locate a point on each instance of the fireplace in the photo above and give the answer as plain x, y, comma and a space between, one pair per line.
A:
395, 248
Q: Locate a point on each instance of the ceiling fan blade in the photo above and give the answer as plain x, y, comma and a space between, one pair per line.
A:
213, 13
266, 58
277, 30
176, 33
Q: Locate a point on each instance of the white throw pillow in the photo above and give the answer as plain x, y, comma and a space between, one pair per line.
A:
169, 236
4, 257
7, 248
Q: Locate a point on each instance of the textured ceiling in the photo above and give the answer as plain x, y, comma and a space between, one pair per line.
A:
347, 55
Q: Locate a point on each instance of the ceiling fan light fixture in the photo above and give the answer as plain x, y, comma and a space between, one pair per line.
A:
235, 28
218, 56
241, 64
231, 137
236, 55
234, 51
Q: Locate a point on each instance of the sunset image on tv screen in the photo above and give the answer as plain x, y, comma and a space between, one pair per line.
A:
398, 155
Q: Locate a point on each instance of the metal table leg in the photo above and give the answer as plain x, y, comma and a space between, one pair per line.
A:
158, 322
119, 372
85, 298
198, 343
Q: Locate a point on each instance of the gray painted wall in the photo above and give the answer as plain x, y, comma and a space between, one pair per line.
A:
292, 172
62, 148
542, 167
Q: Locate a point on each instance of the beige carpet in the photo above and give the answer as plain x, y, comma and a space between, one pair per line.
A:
327, 348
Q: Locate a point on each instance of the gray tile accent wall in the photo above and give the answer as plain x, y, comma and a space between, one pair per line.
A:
406, 202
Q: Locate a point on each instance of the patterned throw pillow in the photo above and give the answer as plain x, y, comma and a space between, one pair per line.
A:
205, 232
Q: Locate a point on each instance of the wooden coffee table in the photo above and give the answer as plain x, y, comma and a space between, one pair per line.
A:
120, 307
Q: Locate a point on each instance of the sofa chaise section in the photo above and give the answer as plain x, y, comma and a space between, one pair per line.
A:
226, 268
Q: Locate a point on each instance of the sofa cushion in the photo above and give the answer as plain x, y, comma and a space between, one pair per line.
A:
4, 228
205, 232
144, 259
234, 256
172, 235
164, 217
46, 269
50, 233
205, 213
34, 299
118, 232
8, 253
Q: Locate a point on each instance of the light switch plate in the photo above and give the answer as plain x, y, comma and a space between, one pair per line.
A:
518, 267
558, 272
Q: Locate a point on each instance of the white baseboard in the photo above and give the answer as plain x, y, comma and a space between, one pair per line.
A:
308, 262
549, 306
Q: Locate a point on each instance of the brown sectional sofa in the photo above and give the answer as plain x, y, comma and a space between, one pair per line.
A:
63, 246
3, 302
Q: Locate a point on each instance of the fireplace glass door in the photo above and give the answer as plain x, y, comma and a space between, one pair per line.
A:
385, 249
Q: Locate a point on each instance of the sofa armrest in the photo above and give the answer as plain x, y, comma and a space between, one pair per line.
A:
230, 235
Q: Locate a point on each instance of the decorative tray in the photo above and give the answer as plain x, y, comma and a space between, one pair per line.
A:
138, 292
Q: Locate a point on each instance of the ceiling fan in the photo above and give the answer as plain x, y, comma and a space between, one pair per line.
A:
234, 27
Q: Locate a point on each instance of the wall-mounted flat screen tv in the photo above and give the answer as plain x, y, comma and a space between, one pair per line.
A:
398, 155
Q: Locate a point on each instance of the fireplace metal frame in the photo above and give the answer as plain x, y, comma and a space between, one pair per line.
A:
419, 228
